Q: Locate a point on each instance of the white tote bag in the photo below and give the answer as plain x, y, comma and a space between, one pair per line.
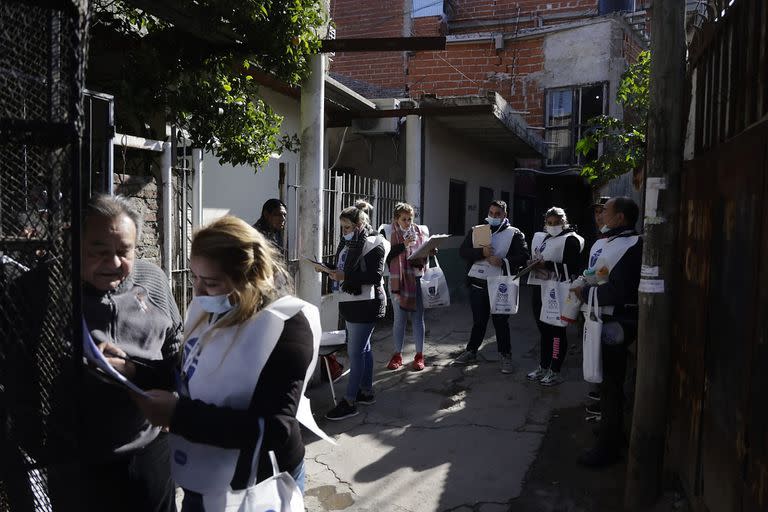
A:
593, 330
278, 493
434, 287
552, 300
504, 293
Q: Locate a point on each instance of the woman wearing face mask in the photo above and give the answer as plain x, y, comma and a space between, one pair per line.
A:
404, 286
249, 349
557, 247
358, 270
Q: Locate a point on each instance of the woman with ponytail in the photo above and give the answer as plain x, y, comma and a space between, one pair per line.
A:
358, 270
249, 349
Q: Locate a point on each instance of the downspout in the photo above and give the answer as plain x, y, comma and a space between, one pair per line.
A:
166, 174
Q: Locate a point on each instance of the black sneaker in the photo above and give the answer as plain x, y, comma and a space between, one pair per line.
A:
365, 398
342, 411
594, 409
594, 395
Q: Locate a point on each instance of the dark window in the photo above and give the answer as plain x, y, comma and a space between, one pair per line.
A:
457, 207
609, 6
483, 203
568, 111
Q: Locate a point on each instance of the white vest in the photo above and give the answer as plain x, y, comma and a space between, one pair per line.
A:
368, 291
500, 241
387, 228
225, 373
550, 248
604, 256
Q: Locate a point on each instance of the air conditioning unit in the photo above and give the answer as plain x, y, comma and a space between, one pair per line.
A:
379, 125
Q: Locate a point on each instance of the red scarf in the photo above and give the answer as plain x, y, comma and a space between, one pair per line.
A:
402, 274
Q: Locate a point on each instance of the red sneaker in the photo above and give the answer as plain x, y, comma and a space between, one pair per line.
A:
396, 361
418, 362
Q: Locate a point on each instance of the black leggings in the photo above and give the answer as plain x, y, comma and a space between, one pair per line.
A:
554, 340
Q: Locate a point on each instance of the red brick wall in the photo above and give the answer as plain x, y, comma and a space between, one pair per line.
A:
468, 69
489, 9
370, 18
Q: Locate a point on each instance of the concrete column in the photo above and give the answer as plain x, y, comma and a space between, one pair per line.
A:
311, 167
413, 164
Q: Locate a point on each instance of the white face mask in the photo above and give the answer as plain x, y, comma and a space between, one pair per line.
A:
493, 221
215, 304
605, 229
349, 236
553, 230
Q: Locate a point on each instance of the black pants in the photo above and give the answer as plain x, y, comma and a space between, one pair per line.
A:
139, 481
612, 397
481, 310
553, 339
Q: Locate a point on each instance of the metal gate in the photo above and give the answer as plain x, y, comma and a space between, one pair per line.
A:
42, 60
717, 441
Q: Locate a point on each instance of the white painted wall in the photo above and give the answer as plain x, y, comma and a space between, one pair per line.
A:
242, 190
449, 156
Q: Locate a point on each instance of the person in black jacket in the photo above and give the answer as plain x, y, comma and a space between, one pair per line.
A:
248, 350
507, 243
359, 270
618, 274
272, 222
557, 248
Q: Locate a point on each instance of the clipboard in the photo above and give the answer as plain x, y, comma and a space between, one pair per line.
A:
527, 269
324, 268
481, 236
432, 242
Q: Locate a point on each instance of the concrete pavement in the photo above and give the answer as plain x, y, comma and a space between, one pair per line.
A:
444, 439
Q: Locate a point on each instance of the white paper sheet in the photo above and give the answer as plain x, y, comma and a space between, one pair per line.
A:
94, 356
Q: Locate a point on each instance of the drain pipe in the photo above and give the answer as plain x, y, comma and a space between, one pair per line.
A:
166, 175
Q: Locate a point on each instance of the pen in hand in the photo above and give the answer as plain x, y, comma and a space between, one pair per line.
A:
129, 358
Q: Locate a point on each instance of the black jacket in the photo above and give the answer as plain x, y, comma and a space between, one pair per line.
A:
621, 289
517, 254
369, 270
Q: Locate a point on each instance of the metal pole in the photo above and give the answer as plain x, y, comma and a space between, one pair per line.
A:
111, 148
167, 204
197, 188
413, 165
665, 158
308, 284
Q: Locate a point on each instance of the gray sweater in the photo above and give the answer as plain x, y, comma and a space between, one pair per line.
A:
140, 317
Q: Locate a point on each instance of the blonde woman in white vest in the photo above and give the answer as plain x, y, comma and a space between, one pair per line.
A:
249, 348
404, 282
358, 271
556, 248
507, 243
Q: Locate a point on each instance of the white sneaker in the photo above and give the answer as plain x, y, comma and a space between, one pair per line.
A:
551, 378
506, 363
536, 374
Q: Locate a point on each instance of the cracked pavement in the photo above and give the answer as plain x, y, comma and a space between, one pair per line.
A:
447, 439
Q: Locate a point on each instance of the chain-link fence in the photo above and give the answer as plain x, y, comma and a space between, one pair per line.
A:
42, 50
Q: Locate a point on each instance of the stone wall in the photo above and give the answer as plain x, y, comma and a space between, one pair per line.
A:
143, 193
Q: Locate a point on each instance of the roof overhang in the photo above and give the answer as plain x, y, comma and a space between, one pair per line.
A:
487, 120
490, 122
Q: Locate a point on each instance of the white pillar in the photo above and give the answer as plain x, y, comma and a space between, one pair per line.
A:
167, 204
413, 165
311, 163
197, 188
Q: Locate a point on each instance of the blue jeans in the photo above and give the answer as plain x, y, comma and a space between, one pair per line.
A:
401, 319
360, 359
193, 502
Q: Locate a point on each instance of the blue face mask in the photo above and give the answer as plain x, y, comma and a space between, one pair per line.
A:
215, 304
493, 221
349, 236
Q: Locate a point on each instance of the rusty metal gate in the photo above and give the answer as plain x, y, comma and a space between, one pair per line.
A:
718, 430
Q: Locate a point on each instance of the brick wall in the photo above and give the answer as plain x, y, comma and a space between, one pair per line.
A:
468, 69
489, 9
143, 193
372, 18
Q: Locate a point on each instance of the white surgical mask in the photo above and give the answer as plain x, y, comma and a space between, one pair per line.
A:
215, 304
605, 229
493, 221
349, 236
553, 230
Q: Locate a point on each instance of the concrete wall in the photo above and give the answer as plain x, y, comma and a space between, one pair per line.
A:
242, 190
378, 156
